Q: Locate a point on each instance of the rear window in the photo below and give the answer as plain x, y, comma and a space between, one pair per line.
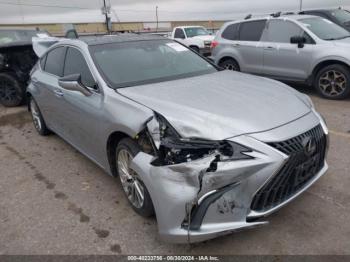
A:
231, 32
55, 60
251, 31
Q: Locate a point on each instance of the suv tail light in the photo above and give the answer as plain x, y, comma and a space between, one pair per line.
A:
214, 44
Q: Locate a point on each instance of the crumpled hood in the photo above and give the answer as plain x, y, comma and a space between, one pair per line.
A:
221, 105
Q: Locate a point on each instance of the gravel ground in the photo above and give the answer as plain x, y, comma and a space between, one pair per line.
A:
53, 200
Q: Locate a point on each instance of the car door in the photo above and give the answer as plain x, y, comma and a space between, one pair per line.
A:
283, 60
249, 47
82, 115
49, 96
180, 35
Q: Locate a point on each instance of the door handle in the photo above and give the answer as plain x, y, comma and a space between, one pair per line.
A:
58, 93
270, 48
236, 45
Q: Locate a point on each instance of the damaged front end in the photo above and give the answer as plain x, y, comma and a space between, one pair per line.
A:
201, 189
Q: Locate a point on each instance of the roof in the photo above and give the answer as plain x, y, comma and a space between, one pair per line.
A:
120, 38
190, 26
319, 10
255, 18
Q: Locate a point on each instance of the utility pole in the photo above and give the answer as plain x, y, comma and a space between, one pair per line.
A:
105, 11
157, 18
301, 5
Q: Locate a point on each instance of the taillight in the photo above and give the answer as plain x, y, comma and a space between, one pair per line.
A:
214, 44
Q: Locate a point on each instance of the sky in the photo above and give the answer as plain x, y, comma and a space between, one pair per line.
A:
82, 11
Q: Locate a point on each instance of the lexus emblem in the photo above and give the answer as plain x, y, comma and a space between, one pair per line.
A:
309, 145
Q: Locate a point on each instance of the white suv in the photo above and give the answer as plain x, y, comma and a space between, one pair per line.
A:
295, 48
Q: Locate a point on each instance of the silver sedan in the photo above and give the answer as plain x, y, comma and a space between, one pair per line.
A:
208, 152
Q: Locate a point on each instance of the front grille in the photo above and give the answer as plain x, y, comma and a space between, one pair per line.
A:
304, 162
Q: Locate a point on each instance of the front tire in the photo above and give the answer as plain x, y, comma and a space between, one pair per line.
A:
133, 187
38, 119
11, 90
333, 82
229, 64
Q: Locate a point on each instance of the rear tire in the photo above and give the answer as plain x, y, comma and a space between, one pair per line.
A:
38, 119
11, 90
195, 48
333, 82
133, 187
230, 64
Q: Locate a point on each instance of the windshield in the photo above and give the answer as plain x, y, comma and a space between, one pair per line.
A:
143, 62
343, 16
195, 31
325, 29
10, 36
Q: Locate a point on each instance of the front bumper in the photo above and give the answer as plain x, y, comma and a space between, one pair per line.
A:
227, 193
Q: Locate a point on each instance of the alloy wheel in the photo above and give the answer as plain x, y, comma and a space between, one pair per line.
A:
230, 67
332, 83
8, 91
130, 181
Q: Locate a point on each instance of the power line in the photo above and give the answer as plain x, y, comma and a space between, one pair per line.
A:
44, 5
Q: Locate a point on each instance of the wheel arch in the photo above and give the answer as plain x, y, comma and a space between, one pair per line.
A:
323, 64
112, 142
227, 57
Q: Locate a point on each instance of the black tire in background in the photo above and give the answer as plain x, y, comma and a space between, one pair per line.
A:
38, 119
195, 48
128, 145
11, 90
229, 64
333, 82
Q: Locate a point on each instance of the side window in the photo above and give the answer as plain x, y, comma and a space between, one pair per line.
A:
179, 33
280, 31
76, 64
54, 61
231, 32
42, 62
251, 31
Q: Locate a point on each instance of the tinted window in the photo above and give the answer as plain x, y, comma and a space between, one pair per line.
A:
54, 61
142, 62
231, 32
280, 31
76, 64
251, 31
325, 29
179, 33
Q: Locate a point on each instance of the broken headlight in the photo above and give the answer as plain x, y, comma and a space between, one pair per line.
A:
174, 149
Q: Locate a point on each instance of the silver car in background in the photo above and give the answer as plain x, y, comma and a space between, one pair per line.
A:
208, 151
293, 48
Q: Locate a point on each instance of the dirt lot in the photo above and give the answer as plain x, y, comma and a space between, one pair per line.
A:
53, 200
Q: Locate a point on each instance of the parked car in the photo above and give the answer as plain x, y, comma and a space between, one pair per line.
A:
339, 16
208, 151
16, 60
293, 48
196, 37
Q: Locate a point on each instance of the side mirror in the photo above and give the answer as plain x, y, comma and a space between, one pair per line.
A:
300, 40
73, 83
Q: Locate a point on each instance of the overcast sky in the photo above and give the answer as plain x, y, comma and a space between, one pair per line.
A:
71, 11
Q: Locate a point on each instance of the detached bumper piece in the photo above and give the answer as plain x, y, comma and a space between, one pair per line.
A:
306, 159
